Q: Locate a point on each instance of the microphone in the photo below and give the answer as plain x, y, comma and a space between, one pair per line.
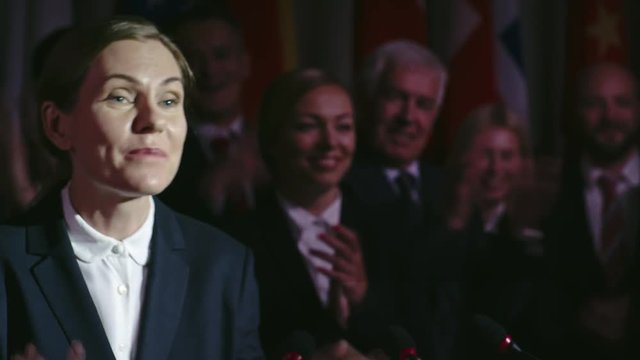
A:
398, 344
497, 337
299, 345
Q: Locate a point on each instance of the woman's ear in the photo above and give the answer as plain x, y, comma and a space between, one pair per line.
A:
56, 125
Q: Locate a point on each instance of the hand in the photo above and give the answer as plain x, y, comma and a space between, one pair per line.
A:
605, 318
464, 197
30, 353
347, 263
76, 352
231, 175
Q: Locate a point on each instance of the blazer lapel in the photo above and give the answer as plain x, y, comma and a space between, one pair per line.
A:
282, 247
64, 289
369, 182
166, 287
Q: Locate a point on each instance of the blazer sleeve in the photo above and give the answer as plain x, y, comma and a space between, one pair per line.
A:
247, 313
3, 315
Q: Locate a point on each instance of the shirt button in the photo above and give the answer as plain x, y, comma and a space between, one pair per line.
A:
117, 249
123, 289
122, 348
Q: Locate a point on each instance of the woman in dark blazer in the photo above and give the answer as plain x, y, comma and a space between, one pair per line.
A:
489, 163
316, 260
100, 261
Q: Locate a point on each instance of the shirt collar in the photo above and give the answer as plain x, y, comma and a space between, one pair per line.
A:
630, 172
491, 224
209, 131
90, 245
301, 218
392, 173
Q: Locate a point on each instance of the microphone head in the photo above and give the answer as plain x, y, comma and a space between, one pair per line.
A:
298, 345
398, 344
492, 333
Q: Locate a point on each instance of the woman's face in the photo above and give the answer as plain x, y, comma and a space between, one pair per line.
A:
125, 133
496, 162
316, 146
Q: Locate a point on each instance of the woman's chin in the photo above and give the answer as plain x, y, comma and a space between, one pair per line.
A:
148, 186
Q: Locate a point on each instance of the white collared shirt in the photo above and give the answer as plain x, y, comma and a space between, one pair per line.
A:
629, 178
305, 228
206, 132
491, 224
413, 169
115, 273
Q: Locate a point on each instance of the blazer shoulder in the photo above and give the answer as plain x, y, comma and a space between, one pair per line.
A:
203, 237
10, 235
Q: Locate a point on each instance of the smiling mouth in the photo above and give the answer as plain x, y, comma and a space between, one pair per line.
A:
325, 163
402, 138
147, 153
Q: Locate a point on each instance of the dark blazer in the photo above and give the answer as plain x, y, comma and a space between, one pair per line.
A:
500, 278
407, 233
576, 275
568, 236
200, 300
371, 186
288, 297
187, 192
184, 194
425, 262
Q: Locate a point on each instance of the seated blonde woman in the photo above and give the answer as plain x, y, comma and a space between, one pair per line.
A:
489, 163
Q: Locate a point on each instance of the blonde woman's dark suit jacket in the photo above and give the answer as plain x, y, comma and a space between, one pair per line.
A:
200, 300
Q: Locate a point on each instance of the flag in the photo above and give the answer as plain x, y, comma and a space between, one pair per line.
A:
509, 62
268, 29
471, 72
157, 11
485, 66
379, 21
269, 32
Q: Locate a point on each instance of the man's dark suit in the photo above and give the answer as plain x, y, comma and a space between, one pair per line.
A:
425, 267
185, 193
575, 271
288, 297
372, 187
405, 229
188, 192
200, 300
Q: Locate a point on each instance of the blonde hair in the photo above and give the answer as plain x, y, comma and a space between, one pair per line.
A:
65, 67
485, 117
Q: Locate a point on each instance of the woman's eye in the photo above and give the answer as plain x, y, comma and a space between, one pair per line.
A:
118, 99
170, 102
345, 127
304, 126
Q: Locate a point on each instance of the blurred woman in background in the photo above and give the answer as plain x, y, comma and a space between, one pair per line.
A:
490, 162
315, 260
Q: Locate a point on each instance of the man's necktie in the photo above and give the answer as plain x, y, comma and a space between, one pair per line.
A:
220, 146
237, 199
408, 196
612, 245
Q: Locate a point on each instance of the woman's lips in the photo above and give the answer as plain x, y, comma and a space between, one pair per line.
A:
325, 162
147, 153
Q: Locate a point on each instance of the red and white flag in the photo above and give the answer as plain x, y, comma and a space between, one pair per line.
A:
379, 21
485, 65
270, 37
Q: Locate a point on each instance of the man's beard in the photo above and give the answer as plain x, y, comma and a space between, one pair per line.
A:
604, 153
